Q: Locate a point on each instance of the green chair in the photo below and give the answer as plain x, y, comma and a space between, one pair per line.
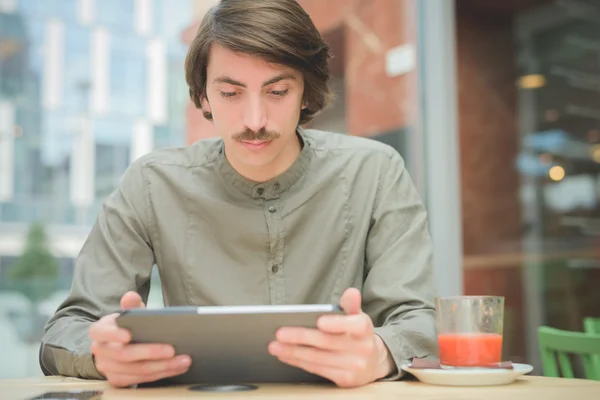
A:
559, 344
592, 325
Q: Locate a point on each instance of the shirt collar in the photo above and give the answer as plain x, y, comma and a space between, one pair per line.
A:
273, 188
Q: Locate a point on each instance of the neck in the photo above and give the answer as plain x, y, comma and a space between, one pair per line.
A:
281, 164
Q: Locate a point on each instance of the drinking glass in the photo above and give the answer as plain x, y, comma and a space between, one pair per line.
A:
469, 330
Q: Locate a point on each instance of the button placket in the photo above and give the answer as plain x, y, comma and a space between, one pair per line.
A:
275, 259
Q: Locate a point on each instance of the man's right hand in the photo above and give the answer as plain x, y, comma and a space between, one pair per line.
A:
125, 364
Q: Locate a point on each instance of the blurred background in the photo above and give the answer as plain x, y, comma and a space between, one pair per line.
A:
495, 106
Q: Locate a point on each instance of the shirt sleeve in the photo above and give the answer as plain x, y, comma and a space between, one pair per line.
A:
398, 291
116, 257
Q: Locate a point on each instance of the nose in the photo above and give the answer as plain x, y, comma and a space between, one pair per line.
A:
255, 114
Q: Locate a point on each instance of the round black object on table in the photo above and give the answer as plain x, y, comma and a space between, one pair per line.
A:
222, 388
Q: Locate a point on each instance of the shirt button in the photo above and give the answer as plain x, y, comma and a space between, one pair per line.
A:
276, 186
272, 209
260, 191
275, 268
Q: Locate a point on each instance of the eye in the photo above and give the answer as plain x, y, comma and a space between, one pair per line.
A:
228, 95
279, 93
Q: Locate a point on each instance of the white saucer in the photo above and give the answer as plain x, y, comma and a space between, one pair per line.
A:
469, 377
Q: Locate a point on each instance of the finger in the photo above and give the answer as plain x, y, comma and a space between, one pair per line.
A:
312, 355
106, 330
132, 300
314, 338
141, 368
358, 325
123, 380
133, 352
351, 301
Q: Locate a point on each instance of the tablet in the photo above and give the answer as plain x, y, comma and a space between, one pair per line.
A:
227, 344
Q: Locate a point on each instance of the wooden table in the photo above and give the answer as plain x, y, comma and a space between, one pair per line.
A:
526, 388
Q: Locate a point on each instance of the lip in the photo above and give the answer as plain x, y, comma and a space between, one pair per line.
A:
255, 144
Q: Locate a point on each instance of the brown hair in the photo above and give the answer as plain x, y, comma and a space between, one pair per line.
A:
277, 31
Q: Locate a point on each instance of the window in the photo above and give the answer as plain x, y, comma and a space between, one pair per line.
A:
127, 76
77, 69
116, 15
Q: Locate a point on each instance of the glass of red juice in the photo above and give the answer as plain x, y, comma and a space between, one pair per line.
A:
469, 330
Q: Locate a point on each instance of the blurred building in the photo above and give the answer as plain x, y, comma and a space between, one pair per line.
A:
86, 86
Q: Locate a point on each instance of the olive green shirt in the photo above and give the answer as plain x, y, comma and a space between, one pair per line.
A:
345, 214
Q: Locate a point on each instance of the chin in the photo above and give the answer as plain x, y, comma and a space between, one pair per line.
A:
258, 161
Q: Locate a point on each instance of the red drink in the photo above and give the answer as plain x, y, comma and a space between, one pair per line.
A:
470, 349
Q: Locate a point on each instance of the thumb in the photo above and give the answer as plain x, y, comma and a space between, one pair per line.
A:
351, 301
132, 300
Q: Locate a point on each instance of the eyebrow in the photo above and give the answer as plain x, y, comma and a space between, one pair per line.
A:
275, 79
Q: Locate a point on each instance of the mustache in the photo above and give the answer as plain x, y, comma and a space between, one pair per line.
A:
262, 135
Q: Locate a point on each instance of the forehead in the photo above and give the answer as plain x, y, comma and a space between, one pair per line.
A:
243, 67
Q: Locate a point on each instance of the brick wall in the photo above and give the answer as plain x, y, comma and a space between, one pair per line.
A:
489, 181
488, 134
375, 102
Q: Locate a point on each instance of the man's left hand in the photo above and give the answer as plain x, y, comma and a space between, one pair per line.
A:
344, 348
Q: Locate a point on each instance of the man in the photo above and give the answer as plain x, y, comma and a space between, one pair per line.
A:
268, 213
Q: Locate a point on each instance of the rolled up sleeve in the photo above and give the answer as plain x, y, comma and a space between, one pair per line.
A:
116, 257
398, 291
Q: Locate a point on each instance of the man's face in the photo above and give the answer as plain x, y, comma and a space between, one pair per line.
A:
255, 107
